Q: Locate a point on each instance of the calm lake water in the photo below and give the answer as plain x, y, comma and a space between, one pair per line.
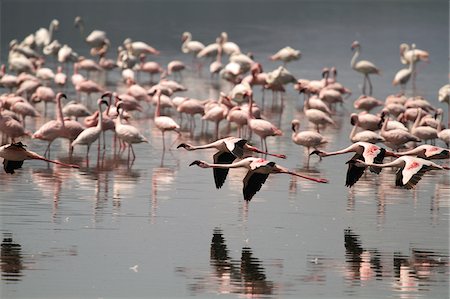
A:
159, 228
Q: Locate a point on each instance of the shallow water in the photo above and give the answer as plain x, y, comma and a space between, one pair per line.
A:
159, 228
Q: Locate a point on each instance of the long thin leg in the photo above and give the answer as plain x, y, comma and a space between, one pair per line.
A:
163, 140
370, 85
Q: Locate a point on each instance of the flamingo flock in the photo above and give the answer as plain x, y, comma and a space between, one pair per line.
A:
407, 126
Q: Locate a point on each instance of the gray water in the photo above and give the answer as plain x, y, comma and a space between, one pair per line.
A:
159, 228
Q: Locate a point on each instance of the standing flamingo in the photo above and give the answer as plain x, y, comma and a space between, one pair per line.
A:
307, 139
365, 151
258, 171
15, 153
91, 134
411, 169
229, 149
260, 127
127, 133
363, 66
164, 123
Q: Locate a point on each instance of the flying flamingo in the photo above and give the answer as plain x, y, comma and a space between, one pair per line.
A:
91, 134
427, 151
164, 123
15, 153
127, 133
260, 127
363, 66
258, 171
229, 149
411, 169
365, 151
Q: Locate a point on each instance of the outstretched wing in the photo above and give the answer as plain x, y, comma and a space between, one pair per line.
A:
409, 181
220, 174
253, 182
10, 166
235, 146
354, 173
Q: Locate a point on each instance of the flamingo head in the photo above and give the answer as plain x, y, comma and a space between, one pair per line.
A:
318, 153
199, 164
355, 45
354, 119
325, 72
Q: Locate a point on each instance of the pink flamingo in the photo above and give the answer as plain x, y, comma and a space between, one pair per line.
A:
164, 123
58, 128
260, 127
229, 149
15, 153
427, 151
45, 94
127, 133
307, 139
258, 172
411, 169
91, 134
11, 127
363, 66
365, 151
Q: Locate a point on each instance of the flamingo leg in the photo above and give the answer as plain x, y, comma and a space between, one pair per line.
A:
370, 85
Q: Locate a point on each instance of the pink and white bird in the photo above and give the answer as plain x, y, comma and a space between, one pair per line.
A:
91, 134
260, 127
258, 172
127, 133
411, 169
308, 139
164, 123
364, 151
427, 151
15, 154
364, 67
229, 149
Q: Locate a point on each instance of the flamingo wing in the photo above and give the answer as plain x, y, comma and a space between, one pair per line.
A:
253, 182
354, 172
10, 166
410, 179
220, 174
236, 147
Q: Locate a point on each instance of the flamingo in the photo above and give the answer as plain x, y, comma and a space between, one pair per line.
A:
260, 127
366, 135
45, 94
229, 48
190, 46
127, 133
164, 123
364, 151
229, 149
444, 97
411, 56
396, 138
316, 116
411, 169
91, 134
136, 48
15, 153
96, 39
58, 128
286, 54
60, 78
307, 139
402, 76
363, 66
423, 132
11, 127
74, 109
367, 103
427, 151
258, 171
44, 36
175, 67
24, 109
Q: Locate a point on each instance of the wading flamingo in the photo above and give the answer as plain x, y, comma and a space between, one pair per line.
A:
363, 66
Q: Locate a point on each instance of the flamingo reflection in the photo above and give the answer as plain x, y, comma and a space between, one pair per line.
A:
11, 259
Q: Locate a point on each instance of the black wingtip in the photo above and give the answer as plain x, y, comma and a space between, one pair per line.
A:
196, 162
182, 145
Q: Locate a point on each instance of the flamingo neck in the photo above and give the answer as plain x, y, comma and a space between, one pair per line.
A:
100, 116
59, 115
418, 118
158, 104
355, 56
353, 132
250, 105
